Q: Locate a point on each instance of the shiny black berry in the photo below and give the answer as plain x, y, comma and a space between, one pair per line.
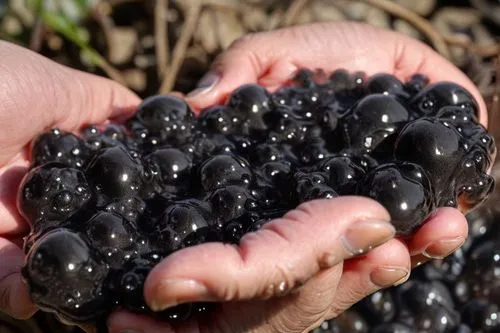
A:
404, 190
116, 173
223, 170
61, 147
67, 276
52, 193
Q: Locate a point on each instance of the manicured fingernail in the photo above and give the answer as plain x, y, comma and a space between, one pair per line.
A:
365, 235
170, 293
444, 247
206, 83
387, 276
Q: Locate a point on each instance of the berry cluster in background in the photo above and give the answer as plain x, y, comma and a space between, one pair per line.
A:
107, 205
459, 294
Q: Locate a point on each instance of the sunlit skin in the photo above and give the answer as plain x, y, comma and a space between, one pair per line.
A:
38, 94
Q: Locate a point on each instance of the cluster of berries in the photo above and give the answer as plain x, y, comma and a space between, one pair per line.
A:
106, 206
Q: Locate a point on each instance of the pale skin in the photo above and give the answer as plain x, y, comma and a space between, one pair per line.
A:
296, 271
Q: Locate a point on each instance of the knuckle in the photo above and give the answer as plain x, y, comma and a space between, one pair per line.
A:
243, 41
4, 299
305, 212
231, 290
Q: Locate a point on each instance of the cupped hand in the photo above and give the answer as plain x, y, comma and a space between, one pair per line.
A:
308, 247
35, 95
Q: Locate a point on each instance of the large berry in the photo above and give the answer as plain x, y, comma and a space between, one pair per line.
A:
373, 119
162, 118
250, 103
66, 275
115, 173
182, 224
53, 192
113, 236
171, 169
224, 169
405, 190
62, 147
441, 94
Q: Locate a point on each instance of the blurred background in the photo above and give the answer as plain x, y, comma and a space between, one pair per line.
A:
156, 46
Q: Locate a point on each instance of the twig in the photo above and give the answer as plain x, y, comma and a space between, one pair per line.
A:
179, 52
161, 36
106, 24
120, 2
227, 5
494, 114
489, 50
292, 12
111, 71
419, 22
274, 19
37, 35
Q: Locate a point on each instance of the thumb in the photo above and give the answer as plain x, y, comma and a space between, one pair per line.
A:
37, 93
282, 255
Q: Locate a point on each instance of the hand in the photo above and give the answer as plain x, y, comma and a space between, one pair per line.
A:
37, 94
305, 247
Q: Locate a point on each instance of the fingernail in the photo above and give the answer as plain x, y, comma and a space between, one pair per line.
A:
387, 276
444, 247
365, 235
402, 280
170, 293
206, 83
418, 260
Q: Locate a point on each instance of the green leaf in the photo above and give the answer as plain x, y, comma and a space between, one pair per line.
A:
71, 31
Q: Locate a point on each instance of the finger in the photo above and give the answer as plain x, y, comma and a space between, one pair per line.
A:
413, 56
10, 179
385, 266
296, 312
318, 234
14, 295
37, 93
441, 235
122, 321
270, 58
300, 311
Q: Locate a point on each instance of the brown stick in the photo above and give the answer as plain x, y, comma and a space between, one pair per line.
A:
494, 114
489, 50
179, 52
418, 21
111, 71
37, 35
292, 12
161, 36
106, 24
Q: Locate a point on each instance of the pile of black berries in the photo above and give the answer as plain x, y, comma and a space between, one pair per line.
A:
107, 205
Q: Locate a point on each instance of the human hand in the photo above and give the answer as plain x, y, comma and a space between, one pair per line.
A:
290, 251
35, 95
